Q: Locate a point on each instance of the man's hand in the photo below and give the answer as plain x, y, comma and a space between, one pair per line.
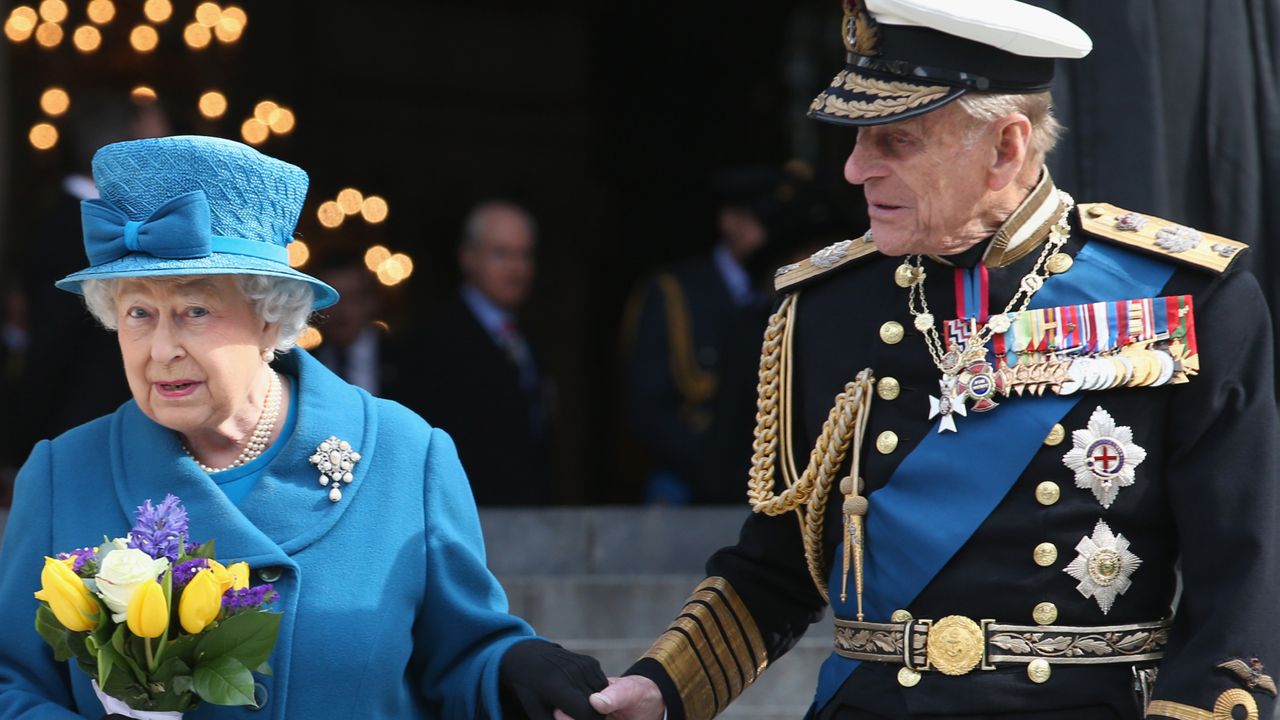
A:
633, 697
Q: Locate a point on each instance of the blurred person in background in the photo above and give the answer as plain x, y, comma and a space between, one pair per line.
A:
689, 339
357, 345
71, 373
480, 377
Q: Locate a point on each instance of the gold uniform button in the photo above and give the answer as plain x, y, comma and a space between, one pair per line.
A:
887, 442
900, 616
1045, 613
1039, 670
891, 332
1056, 435
908, 677
1048, 492
888, 388
1059, 263
1045, 554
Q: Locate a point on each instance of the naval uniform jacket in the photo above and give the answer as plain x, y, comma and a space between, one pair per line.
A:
388, 608
1204, 498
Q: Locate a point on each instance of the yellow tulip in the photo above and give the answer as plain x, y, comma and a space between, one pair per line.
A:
201, 602
148, 613
224, 577
67, 596
239, 575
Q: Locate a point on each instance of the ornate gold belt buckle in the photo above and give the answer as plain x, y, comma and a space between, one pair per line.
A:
956, 645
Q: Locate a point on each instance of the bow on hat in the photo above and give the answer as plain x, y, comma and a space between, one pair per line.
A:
177, 230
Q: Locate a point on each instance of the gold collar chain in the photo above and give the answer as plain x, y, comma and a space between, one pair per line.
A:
972, 358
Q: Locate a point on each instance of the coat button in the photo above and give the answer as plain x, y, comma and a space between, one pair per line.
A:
1056, 435
1048, 493
260, 696
1039, 670
1045, 613
908, 677
1059, 263
888, 388
891, 332
900, 616
887, 442
1045, 554
270, 574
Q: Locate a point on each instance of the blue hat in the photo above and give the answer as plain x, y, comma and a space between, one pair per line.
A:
192, 205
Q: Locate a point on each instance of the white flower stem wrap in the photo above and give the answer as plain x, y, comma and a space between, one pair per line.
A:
119, 707
120, 574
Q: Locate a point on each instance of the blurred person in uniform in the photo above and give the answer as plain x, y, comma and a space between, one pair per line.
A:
72, 372
480, 376
689, 335
1025, 449
357, 344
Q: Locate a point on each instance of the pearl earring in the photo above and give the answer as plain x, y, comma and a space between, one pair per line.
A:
268, 355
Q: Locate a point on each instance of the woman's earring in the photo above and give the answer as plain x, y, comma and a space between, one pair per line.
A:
268, 355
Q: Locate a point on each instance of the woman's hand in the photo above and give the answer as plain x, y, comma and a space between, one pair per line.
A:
541, 678
633, 697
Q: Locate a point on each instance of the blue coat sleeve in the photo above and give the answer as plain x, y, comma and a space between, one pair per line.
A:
464, 627
32, 684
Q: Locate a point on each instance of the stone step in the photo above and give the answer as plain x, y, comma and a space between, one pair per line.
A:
785, 690
608, 540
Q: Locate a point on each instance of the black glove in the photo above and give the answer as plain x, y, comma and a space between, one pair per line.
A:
536, 677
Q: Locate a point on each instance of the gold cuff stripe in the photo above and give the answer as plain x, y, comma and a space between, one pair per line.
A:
1223, 708
1177, 711
712, 651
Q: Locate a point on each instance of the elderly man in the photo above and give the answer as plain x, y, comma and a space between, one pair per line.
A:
1062, 404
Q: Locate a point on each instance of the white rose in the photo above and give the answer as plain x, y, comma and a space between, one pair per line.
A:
120, 574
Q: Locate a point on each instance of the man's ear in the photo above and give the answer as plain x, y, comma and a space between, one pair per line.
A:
1013, 145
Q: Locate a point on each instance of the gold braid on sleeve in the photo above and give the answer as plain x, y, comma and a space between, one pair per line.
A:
844, 427
712, 651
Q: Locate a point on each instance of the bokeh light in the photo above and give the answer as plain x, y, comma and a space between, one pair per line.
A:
374, 209
101, 12
197, 36
49, 35
208, 14
144, 38
54, 11
43, 136
310, 338
228, 29
299, 253
21, 23
329, 214
350, 200
375, 256
265, 110
87, 38
395, 269
282, 121
54, 101
254, 131
213, 104
143, 94
237, 14
158, 11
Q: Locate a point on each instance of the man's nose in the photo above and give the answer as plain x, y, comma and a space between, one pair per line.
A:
862, 164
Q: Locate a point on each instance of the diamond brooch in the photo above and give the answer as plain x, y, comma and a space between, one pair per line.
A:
335, 460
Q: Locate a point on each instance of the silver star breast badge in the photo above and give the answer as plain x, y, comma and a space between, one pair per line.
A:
1103, 566
1103, 457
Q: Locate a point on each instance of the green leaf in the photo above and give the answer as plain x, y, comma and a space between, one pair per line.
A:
107, 660
184, 647
247, 637
53, 633
78, 643
224, 681
170, 669
182, 683
125, 658
264, 669
205, 551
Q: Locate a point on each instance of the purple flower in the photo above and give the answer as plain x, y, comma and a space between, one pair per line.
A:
184, 571
159, 530
234, 601
82, 557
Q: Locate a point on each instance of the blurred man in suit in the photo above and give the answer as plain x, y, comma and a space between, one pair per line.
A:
481, 380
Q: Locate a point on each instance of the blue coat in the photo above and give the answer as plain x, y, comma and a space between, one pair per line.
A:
388, 608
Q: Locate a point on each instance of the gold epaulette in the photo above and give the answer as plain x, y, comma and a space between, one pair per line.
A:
712, 651
788, 277
1156, 236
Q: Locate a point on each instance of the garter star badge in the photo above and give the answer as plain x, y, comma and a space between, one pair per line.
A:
1103, 566
1103, 457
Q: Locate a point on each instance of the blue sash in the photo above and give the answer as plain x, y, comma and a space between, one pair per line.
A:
937, 501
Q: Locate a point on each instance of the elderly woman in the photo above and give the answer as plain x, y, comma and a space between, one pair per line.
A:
388, 608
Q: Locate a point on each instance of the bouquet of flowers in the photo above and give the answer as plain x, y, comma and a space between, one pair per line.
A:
155, 620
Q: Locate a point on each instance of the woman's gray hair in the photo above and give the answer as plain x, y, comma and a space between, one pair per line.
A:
1038, 107
286, 301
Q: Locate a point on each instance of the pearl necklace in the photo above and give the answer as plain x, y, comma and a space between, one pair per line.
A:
261, 434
